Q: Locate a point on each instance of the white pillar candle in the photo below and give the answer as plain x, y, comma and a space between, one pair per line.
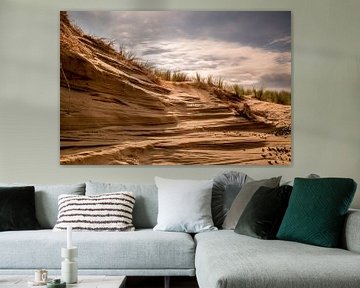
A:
69, 237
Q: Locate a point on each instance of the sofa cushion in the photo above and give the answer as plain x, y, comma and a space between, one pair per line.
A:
142, 249
46, 200
317, 209
243, 198
263, 215
184, 205
105, 212
17, 208
225, 189
146, 205
225, 259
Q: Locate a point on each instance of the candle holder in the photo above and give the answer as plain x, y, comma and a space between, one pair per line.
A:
69, 271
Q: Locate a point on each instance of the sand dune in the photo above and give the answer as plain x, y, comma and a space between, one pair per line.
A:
114, 111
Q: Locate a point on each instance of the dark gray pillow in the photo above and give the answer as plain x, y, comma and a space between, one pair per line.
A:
263, 215
243, 198
225, 189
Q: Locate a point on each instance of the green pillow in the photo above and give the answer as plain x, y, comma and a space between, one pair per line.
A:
316, 211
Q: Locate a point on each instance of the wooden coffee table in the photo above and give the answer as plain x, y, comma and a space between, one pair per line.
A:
83, 282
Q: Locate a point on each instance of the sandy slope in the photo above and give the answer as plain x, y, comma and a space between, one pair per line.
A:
114, 112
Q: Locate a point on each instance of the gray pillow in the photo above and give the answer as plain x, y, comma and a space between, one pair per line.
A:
146, 204
243, 198
46, 200
184, 205
226, 187
310, 176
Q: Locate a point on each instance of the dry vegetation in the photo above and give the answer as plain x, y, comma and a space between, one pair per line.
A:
156, 74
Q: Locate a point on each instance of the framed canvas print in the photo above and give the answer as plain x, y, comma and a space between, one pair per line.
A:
175, 88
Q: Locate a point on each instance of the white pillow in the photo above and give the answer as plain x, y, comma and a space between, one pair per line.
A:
104, 212
184, 205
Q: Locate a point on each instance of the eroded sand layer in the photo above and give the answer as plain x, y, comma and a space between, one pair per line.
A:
199, 131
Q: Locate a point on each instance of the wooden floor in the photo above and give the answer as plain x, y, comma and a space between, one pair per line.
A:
158, 282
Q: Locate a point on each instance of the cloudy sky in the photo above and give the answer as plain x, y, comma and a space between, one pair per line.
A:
247, 48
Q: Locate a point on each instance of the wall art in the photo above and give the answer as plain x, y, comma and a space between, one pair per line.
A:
175, 88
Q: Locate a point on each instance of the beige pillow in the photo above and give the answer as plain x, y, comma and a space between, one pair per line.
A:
243, 198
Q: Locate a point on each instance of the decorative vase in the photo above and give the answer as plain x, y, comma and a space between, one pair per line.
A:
69, 271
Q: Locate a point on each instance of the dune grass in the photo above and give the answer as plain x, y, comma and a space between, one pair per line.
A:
200, 82
279, 97
178, 76
220, 83
239, 91
168, 75
129, 55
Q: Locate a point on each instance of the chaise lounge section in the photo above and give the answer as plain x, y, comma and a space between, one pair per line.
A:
225, 259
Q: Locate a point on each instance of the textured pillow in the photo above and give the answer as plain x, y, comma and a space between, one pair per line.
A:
17, 209
226, 187
317, 209
106, 212
243, 198
263, 215
184, 205
46, 200
146, 205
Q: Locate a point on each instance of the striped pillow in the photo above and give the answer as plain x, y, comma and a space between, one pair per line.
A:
105, 212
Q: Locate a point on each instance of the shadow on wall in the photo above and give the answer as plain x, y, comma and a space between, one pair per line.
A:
29, 136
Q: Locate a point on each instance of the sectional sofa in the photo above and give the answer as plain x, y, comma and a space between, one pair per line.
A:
219, 259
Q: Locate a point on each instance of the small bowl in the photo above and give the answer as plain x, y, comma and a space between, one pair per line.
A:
56, 283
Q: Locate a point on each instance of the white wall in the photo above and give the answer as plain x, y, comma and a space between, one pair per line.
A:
326, 90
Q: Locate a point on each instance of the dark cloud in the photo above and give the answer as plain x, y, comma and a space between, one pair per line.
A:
283, 59
151, 51
276, 81
253, 28
266, 29
238, 60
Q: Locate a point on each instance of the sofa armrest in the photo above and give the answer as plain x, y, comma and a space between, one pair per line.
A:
351, 234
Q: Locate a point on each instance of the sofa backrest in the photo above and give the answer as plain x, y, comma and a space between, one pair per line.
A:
146, 203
